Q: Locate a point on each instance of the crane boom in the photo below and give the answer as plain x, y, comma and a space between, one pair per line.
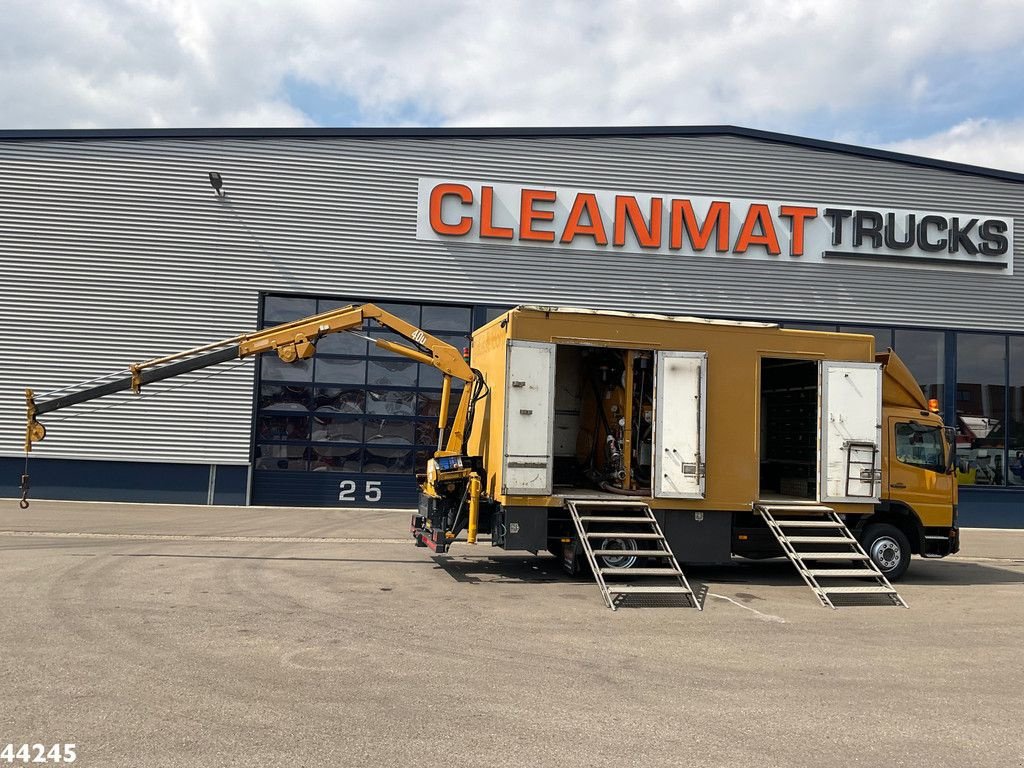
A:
292, 341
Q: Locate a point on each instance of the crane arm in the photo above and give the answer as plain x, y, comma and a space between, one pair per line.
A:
292, 342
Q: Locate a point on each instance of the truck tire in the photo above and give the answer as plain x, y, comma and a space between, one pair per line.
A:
617, 561
889, 549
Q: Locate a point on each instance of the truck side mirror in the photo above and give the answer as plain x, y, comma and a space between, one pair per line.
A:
950, 434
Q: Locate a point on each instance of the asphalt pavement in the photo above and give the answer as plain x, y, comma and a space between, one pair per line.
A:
173, 636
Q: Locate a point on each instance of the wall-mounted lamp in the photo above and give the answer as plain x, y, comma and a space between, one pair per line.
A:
218, 184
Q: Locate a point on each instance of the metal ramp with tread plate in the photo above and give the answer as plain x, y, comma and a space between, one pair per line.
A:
624, 530
815, 539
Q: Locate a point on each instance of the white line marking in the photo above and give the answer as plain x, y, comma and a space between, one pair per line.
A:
761, 616
198, 537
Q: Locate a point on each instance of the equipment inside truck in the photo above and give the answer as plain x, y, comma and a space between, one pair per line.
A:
603, 419
789, 429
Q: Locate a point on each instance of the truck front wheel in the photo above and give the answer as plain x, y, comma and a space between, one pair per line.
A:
889, 549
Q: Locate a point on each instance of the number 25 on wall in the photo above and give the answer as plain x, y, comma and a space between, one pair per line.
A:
347, 490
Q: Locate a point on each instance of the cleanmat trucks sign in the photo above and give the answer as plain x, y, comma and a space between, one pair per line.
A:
539, 216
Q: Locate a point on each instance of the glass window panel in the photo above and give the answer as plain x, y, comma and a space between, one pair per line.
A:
1015, 475
282, 309
284, 457
401, 403
341, 344
326, 305
492, 313
389, 430
426, 433
924, 353
399, 461
408, 312
282, 428
980, 408
393, 372
275, 369
459, 341
422, 456
281, 397
337, 429
332, 458
447, 318
883, 336
332, 370
339, 400
430, 405
431, 377
920, 446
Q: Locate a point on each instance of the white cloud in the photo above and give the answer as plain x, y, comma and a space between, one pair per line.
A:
776, 64
980, 141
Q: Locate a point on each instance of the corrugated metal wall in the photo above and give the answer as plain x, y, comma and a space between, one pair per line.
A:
115, 250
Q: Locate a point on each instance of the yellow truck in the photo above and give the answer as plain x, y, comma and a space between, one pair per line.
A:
734, 438
628, 443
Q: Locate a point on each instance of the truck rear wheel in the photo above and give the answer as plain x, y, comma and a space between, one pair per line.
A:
617, 561
889, 549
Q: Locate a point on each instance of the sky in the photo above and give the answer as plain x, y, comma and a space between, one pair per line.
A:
940, 78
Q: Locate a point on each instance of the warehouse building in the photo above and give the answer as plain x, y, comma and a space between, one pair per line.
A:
119, 246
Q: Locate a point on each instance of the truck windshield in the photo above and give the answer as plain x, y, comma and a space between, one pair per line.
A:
920, 446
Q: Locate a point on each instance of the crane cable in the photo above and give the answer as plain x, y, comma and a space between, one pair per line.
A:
24, 487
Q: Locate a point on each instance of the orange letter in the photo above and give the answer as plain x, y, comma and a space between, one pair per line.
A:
585, 202
717, 220
437, 195
626, 207
799, 215
758, 215
527, 215
487, 228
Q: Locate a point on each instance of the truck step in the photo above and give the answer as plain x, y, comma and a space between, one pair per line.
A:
794, 509
616, 519
817, 539
639, 571
626, 589
581, 503
792, 527
628, 552
644, 527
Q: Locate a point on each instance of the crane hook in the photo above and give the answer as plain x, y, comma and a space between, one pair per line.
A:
24, 492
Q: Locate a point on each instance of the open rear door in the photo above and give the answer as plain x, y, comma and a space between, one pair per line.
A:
850, 461
527, 464
680, 389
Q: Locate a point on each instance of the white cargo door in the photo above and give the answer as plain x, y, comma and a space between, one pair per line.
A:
850, 461
679, 425
527, 466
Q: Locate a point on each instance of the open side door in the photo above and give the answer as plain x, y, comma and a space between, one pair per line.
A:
680, 396
527, 463
850, 458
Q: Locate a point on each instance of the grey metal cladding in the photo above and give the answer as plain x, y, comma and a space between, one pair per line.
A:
116, 250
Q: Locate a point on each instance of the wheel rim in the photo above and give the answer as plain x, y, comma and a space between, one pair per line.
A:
886, 553
618, 561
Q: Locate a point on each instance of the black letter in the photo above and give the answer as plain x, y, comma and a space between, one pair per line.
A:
922, 234
890, 232
837, 215
992, 231
957, 236
867, 223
